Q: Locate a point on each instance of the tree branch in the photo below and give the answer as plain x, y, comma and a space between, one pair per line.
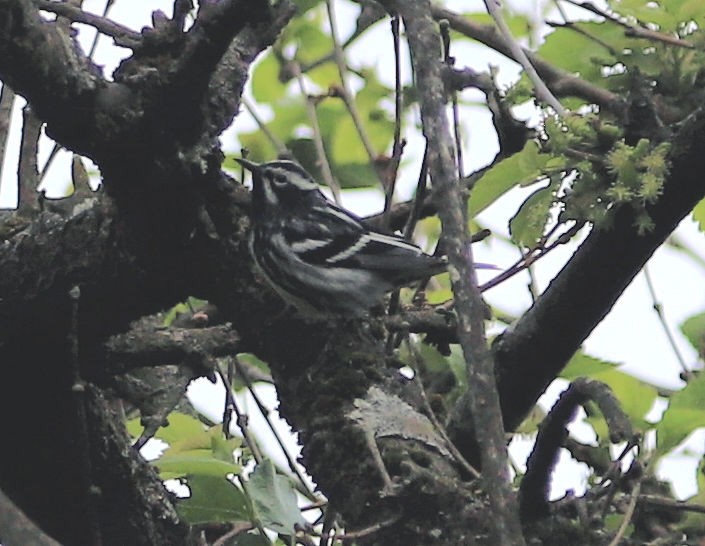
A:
424, 42
122, 35
531, 353
44, 66
560, 82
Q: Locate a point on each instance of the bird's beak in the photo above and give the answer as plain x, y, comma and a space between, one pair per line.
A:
249, 165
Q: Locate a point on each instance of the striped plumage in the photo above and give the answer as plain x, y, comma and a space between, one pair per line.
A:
320, 257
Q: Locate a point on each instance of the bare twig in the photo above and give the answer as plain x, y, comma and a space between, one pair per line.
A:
424, 43
242, 419
530, 257
265, 413
344, 89
282, 150
440, 429
450, 62
658, 308
122, 35
559, 81
542, 91
237, 528
398, 145
78, 390
330, 181
632, 30
94, 43
629, 514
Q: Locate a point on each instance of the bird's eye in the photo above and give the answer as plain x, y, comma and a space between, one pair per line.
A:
279, 179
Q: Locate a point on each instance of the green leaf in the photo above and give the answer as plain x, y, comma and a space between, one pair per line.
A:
213, 498
519, 24
266, 86
528, 224
524, 168
197, 462
694, 329
274, 499
180, 427
584, 47
699, 215
685, 413
582, 365
134, 427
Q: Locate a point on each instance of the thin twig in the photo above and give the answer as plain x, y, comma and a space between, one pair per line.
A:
440, 429
317, 137
78, 391
55, 149
282, 150
538, 252
450, 62
397, 145
230, 402
265, 413
237, 528
122, 35
628, 515
542, 91
631, 30
424, 41
672, 504
344, 88
658, 307
94, 43
367, 530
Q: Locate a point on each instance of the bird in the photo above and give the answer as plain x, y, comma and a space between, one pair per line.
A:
319, 257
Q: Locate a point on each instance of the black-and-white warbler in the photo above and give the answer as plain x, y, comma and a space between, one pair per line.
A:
318, 256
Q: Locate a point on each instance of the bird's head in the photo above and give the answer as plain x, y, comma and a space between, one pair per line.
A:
278, 182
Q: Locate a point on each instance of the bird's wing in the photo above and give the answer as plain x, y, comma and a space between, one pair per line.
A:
333, 237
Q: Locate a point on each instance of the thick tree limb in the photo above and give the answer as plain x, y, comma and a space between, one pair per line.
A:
531, 353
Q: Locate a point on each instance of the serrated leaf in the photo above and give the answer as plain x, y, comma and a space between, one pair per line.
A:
522, 168
685, 413
528, 224
213, 498
274, 499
